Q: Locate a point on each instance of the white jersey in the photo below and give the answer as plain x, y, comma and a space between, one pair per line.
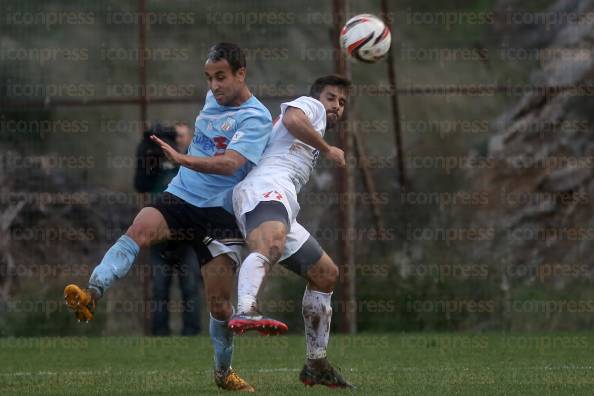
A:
284, 168
286, 158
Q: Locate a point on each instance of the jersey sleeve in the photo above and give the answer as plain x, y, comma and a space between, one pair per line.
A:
252, 135
313, 109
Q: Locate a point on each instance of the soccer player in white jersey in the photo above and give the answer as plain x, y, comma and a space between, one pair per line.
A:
266, 207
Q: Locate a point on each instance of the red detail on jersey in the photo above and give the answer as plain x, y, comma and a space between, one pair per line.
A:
278, 195
220, 144
275, 119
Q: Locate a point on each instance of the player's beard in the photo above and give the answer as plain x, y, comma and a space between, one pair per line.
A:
331, 121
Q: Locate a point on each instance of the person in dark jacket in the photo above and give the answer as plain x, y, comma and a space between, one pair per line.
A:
154, 171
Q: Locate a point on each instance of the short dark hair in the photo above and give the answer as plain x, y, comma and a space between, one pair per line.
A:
232, 53
333, 79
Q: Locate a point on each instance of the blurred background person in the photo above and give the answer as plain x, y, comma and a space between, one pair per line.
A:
153, 173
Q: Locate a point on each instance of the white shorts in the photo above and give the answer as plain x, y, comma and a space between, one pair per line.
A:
237, 252
250, 192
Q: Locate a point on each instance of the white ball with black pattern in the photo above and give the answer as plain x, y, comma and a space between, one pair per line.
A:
366, 38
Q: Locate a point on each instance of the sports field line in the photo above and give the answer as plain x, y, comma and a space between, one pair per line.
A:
278, 369
290, 369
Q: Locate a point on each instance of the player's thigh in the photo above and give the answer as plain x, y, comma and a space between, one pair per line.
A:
219, 276
266, 228
323, 274
268, 239
149, 226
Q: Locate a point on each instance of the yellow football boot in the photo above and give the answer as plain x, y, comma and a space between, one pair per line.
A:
81, 301
229, 380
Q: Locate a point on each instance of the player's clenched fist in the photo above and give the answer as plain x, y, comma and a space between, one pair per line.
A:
337, 155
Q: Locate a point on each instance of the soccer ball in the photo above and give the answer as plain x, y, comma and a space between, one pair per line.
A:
365, 37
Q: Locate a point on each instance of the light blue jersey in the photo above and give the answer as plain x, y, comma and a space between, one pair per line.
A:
245, 129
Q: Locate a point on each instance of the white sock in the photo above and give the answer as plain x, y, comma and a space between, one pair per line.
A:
317, 314
251, 275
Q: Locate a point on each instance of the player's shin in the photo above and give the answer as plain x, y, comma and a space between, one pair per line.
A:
115, 264
222, 342
251, 275
317, 314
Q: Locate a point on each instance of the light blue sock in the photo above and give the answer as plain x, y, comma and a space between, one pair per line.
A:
222, 341
115, 264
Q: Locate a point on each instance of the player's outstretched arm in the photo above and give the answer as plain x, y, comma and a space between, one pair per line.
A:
226, 164
299, 125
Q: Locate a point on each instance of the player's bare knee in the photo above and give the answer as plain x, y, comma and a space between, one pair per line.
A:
328, 279
323, 278
271, 244
332, 273
220, 307
140, 234
276, 248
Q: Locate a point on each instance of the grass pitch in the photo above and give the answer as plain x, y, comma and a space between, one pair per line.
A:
408, 364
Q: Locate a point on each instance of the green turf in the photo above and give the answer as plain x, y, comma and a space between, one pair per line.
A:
378, 364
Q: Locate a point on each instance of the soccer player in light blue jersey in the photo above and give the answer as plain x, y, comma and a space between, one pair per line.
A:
232, 131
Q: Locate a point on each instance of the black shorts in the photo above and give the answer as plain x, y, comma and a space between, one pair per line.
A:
198, 226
